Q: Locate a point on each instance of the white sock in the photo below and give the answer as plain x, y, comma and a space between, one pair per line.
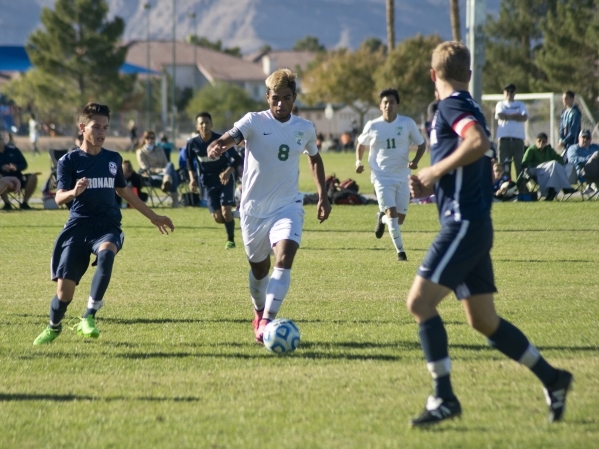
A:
395, 233
276, 291
384, 220
258, 290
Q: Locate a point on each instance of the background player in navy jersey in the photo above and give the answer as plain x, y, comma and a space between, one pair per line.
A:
87, 180
215, 174
459, 258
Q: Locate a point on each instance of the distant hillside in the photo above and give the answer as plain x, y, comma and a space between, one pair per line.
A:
250, 24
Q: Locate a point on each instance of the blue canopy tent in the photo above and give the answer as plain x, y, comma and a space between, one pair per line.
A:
15, 59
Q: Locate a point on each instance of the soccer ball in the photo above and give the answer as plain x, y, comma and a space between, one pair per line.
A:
281, 336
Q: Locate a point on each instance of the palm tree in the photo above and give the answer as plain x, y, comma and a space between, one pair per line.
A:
454, 13
391, 24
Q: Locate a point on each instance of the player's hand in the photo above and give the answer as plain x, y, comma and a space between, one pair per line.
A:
225, 176
413, 165
81, 185
417, 188
427, 177
216, 150
324, 209
163, 223
193, 185
359, 167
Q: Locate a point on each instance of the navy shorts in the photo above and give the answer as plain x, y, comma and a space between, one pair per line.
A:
76, 242
219, 194
460, 258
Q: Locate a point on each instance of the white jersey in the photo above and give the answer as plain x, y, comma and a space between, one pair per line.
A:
390, 146
510, 128
272, 153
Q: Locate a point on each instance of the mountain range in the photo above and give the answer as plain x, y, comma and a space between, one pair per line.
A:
249, 24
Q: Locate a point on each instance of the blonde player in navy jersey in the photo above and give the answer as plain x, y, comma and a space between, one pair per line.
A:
389, 138
271, 206
459, 259
87, 180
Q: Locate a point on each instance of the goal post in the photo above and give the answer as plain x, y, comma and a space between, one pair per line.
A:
544, 110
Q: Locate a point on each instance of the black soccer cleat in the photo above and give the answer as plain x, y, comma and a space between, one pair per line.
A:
556, 395
401, 256
379, 230
437, 410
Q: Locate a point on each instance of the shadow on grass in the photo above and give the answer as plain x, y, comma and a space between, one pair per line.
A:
18, 397
550, 261
128, 321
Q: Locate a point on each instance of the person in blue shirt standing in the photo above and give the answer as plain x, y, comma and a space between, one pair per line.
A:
87, 180
459, 259
215, 175
570, 121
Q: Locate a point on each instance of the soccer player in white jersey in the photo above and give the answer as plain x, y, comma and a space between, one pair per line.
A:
389, 138
271, 207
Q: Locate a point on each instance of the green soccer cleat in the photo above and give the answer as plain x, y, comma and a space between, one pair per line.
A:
47, 337
230, 245
87, 327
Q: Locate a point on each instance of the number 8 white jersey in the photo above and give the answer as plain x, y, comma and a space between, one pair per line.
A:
389, 147
271, 169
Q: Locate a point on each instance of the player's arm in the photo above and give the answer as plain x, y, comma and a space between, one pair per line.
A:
317, 170
413, 164
360, 150
162, 222
473, 147
223, 143
64, 196
189, 159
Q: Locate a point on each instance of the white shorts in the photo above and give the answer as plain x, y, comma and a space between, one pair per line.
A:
261, 234
392, 194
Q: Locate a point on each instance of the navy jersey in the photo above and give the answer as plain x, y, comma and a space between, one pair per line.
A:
105, 173
209, 168
465, 193
12, 155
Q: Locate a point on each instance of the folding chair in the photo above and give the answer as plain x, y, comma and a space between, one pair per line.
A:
153, 185
188, 198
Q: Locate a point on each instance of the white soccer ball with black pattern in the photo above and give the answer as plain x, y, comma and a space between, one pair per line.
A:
281, 336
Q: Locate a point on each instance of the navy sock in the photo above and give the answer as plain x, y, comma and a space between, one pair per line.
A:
510, 340
58, 309
433, 339
101, 280
230, 227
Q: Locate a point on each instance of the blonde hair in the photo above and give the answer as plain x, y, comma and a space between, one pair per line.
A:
451, 61
280, 79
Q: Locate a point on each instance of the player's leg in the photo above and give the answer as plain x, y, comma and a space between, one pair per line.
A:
227, 202
379, 227
508, 339
395, 216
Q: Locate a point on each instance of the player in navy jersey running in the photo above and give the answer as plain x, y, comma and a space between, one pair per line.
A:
87, 180
215, 174
459, 258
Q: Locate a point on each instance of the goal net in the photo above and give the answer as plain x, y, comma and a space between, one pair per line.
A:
544, 110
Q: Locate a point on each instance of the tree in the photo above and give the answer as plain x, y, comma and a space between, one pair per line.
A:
454, 13
390, 7
79, 46
309, 43
344, 77
570, 49
225, 102
374, 45
513, 40
407, 69
216, 45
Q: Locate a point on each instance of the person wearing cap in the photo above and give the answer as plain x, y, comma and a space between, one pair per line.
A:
547, 167
578, 154
511, 115
570, 121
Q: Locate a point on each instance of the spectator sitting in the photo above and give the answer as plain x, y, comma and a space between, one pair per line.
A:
153, 160
578, 154
12, 163
166, 146
133, 181
542, 162
503, 187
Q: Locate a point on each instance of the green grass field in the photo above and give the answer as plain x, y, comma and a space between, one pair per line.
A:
176, 365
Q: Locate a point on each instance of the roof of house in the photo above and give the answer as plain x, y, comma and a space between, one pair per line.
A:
214, 65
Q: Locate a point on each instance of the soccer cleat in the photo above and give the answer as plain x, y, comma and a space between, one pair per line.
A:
401, 256
257, 318
556, 395
437, 410
48, 336
260, 330
87, 327
230, 245
379, 230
